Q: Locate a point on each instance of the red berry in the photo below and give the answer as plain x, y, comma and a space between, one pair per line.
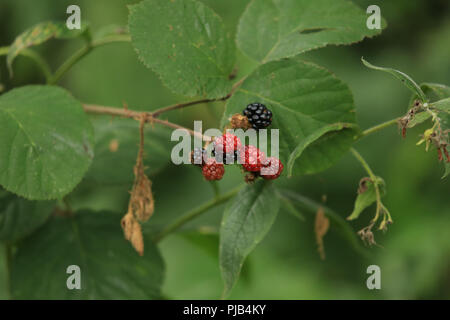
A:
273, 169
212, 170
227, 143
252, 159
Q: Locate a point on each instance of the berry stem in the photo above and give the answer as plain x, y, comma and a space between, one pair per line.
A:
187, 217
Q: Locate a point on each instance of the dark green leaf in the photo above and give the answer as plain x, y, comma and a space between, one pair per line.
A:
20, 217
366, 198
110, 268
403, 77
116, 149
246, 221
39, 34
316, 135
185, 43
46, 142
305, 100
270, 30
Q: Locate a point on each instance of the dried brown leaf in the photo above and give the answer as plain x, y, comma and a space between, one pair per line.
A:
321, 226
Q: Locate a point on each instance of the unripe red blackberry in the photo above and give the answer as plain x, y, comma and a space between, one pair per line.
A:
212, 170
258, 115
272, 169
226, 148
252, 159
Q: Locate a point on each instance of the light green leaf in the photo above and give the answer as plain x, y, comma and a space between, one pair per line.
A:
185, 43
312, 138
275, 29
109, 266
447, 170
46, 142
246, 221
20, 217
38, 34
442, 105
440, 90
403, 77
419, 118
304, 99
116, 145
365, 199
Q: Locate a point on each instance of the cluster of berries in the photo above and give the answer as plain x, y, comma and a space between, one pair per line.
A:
228, 149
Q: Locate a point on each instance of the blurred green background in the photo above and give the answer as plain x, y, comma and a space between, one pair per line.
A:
415, 253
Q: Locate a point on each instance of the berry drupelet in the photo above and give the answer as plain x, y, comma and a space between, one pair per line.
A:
258, 115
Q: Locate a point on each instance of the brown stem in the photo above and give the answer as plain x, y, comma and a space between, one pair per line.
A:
157, 112
137, 115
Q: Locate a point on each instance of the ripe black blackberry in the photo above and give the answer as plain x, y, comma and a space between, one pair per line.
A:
198, 156
258, 115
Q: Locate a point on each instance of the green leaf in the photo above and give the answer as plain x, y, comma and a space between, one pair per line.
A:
419, 118
46, 142
440, 90
116, 146
38, 34
275, 29
20, 217
403, 77
366, 198
109, 267
305, 100
447, 170
442, 105
312, 138
246, 221
186, 44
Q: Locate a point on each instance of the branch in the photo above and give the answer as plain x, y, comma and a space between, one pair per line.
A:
157, 112
137, 115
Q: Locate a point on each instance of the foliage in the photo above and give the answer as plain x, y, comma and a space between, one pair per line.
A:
47, 143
